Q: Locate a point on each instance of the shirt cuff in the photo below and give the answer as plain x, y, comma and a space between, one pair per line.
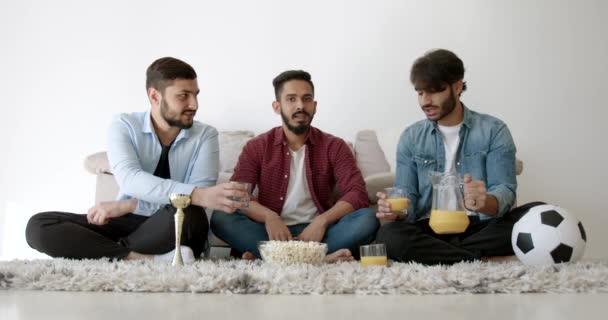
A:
182, 188
147, 209
504, 199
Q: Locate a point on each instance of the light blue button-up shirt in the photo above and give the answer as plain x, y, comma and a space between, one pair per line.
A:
486, 152
134, 151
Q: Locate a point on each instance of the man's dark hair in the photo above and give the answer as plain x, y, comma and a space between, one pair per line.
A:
437, 69
162, 72
280, 80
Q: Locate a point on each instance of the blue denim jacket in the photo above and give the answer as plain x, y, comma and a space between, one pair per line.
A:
486, 152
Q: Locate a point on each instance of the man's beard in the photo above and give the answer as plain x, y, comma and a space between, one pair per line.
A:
168, 117
446, 107
300, 129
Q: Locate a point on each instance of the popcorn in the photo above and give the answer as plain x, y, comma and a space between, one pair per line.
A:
292, 252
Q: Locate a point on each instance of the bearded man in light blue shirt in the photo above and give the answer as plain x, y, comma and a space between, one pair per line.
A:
152, 155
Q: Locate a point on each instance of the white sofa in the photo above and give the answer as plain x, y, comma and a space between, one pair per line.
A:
370, 158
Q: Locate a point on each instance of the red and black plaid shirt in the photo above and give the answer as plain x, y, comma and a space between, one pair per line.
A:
266, 162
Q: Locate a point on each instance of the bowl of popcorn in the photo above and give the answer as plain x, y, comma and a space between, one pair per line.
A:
292, 252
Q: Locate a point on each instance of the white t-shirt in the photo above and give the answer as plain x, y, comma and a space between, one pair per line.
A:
451, 139
298, 207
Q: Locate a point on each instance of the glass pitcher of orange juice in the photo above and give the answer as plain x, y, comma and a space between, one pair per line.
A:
447, 214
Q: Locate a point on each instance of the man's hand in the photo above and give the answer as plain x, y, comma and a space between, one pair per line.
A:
384, 209
276, 229
475, 193
101, 213
315, 231
220, 197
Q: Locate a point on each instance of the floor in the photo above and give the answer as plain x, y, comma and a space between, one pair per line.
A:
150, 306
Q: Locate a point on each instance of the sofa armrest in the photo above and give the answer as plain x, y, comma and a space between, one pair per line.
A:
97, 163
519, 166
377, 182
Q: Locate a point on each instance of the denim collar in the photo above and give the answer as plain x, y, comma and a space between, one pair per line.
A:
467, 120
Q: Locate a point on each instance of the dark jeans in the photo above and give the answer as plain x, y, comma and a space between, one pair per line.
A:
416, 241
69, 235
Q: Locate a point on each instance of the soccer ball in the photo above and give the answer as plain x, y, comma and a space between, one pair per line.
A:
548, 234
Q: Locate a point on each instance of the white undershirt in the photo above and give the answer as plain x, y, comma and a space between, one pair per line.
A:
298, 207
451, 139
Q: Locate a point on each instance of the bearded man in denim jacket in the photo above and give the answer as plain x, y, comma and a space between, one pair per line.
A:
453, 139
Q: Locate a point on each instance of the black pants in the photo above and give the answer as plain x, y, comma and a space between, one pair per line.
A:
69, 235
416, 241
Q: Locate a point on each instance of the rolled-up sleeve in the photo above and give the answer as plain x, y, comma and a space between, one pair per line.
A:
248, 166
406, 173
348, 177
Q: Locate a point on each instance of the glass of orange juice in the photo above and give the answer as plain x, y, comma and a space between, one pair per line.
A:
397, 197
373, 255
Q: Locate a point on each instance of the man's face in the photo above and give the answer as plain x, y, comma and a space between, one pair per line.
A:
437, 105
297, 106
179, 103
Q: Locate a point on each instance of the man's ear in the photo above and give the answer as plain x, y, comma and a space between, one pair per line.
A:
276, 106
154, 96
457, 87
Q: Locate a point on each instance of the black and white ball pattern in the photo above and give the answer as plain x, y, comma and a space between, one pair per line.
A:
548, 234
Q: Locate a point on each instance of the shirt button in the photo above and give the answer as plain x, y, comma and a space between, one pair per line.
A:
287, 153
285, 176
281, 198
457, 163
426, 161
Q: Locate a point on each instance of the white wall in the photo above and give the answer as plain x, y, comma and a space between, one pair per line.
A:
68, 66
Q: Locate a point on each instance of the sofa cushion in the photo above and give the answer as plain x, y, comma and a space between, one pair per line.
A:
377, 182
370, 157
231, 145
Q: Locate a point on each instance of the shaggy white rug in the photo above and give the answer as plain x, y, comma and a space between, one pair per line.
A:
237, 276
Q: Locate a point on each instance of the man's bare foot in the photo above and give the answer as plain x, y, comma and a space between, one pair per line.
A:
248, 256
340, 255
138, 256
